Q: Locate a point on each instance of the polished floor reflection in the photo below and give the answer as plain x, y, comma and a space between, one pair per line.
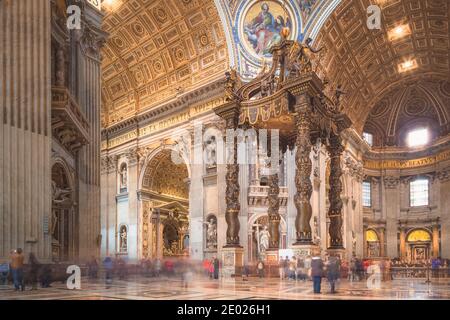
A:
139, 288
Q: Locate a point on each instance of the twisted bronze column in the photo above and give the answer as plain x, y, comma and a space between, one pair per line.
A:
232, 182
274, 216
303, 173
335, 150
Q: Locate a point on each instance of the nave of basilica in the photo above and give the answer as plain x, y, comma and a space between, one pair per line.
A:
239, 129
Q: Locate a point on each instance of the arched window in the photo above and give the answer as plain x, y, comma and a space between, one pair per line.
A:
418, 192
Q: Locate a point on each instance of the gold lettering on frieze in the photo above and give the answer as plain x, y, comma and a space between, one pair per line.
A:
122, 139
407, 164
165, 123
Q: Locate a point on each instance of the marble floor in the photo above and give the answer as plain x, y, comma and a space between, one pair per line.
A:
141, 288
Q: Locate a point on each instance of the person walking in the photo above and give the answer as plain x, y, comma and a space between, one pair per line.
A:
4, 271
293, 268
333, 271
260, 268
46, 276
281, 266
245, 272
316, 272
34, 270
216, 268
211, 268
157, 267
17, 259
109, 267
301, 272
308, 267
286, 267
93, 268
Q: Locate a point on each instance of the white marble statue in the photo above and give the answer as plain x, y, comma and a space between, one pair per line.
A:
123, 177
211, 234
211, 156
264, 236
123, 240
60, 195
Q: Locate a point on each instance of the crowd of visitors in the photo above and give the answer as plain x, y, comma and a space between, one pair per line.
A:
22, 274
309, 268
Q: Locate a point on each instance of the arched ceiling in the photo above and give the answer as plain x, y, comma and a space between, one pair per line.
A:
415, 103
366, 62
165, 177
157, 49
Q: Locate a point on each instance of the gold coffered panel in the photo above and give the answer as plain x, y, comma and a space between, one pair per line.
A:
156, 50
366, 62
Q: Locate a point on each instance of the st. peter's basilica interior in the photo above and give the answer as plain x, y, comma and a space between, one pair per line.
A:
226, 134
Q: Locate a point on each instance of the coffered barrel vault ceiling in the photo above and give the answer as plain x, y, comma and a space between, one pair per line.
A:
156, 50
366, 62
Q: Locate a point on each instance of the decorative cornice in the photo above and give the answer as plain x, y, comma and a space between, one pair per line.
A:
183, 101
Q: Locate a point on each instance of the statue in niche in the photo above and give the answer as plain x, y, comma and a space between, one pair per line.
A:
211, 234
123, 177
60, 195
211, 155
264, 236
123, 239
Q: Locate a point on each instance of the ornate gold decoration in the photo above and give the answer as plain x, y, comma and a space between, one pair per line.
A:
288, 97
355, 62
407, 164
155, 46
418, 235
371, 236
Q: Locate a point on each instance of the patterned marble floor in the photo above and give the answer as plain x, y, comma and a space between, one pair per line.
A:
140, 288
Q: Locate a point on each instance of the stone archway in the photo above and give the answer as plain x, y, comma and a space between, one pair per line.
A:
164, 199
64, 220
419, 243
257, 222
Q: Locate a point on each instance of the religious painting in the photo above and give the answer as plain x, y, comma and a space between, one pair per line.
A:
263, 23
306, 6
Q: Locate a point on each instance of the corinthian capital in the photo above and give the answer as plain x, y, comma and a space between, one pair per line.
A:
391, 182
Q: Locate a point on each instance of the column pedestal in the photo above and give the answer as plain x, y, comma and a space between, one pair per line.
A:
304, 250
232, 262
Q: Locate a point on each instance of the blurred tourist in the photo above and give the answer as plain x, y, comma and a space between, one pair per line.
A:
4, 272
260, 267
109, 267
216, 268
92, 268
245, 272
333, 271
316, 272
46, 276
17, 259
34, 270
